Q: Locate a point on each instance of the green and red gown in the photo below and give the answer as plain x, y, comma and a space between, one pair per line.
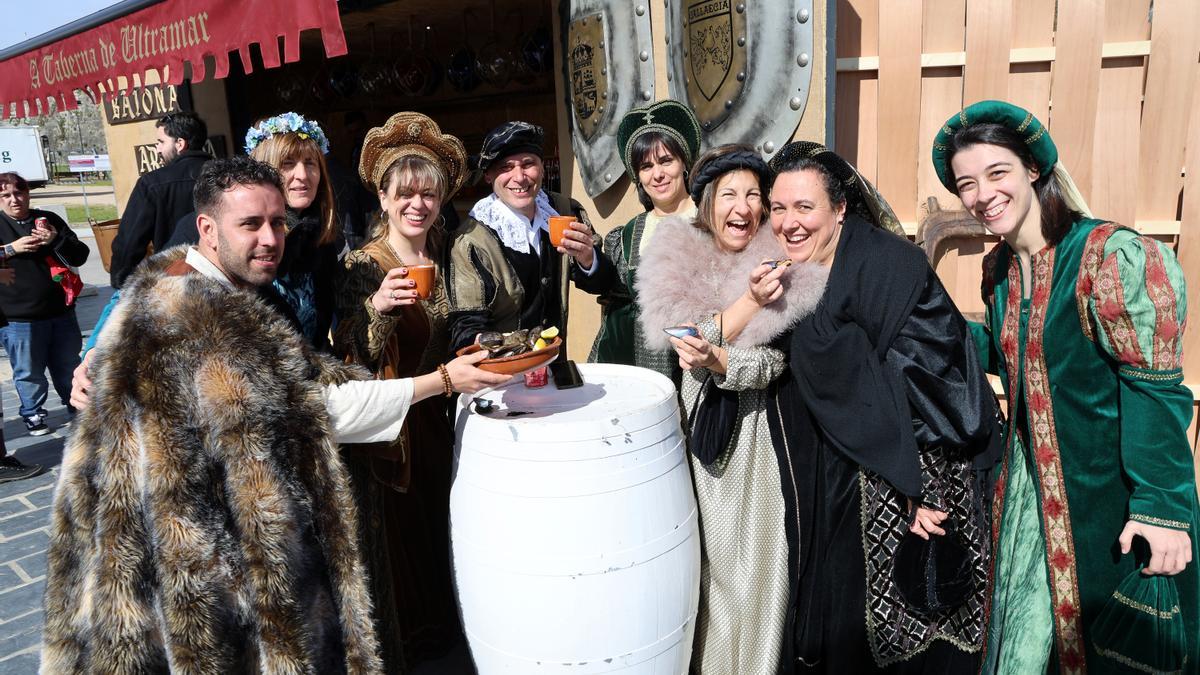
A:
1096, 437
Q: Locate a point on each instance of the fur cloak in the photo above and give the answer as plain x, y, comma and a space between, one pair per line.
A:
685, 276
203, 522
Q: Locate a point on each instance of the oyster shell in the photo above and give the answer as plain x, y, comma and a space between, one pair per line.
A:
512, 343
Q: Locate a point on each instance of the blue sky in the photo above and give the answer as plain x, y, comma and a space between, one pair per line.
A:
39, 16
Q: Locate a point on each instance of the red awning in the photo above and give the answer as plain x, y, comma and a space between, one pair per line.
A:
166, 34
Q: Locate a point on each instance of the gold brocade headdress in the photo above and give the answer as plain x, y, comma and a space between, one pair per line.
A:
406, 134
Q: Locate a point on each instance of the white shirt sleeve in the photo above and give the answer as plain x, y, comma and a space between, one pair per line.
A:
368, 411
595, 263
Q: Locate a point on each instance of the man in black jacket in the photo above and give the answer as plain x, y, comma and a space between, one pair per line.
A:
162, 196
42, 331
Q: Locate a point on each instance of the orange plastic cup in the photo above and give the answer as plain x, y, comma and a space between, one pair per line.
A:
424, 275
558, 225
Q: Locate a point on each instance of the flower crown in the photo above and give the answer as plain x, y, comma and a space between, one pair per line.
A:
281, 124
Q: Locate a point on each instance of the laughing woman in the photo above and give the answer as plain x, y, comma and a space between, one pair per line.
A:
696, 272
657, 143
886, 423
1084, 326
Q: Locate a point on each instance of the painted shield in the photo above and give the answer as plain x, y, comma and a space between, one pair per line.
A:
601, 88
588, 65
715, 64
744, 66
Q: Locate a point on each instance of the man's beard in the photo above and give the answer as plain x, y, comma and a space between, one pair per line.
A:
240, 270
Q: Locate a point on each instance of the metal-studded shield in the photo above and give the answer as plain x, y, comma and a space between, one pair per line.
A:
601, 88
744, 66
588, 64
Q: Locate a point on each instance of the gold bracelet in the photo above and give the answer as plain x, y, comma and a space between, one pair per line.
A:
446, 386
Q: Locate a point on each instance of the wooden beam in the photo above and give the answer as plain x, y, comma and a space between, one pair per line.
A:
989, 27
1189, 242
900, 96
1075, 88
1109, 50
1167, 106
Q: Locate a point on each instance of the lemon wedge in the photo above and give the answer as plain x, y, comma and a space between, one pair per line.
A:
550, 333
540, 344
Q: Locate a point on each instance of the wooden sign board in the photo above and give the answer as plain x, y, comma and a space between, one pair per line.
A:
147, 103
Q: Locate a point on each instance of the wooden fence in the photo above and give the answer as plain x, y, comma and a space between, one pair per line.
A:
1114, 80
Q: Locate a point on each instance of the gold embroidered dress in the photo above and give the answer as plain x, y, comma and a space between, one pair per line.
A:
403, 488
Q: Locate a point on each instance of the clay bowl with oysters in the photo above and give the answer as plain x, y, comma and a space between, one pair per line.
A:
516, 352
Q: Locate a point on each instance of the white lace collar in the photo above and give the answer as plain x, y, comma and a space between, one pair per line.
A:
514, 229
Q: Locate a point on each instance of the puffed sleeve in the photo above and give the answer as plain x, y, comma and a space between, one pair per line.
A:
1137, 307
618, 295
471, 289
362, 331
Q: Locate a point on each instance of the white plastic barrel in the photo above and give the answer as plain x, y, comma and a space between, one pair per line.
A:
574, 527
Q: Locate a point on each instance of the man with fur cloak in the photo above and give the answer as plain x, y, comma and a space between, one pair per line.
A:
203, 522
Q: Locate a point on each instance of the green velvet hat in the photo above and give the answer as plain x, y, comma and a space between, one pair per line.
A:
997, 112
665, 117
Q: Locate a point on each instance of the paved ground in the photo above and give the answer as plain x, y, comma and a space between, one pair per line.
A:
24, 505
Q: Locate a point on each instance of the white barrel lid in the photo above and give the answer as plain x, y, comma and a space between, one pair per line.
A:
614, 400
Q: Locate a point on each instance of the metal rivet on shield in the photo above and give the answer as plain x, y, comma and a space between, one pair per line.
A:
604, 70
641, 10
742, 41
708, 125
795, 103
645, 55
769, 147
741, 77
728, 105
646, 94
602, 43
802, 60
600, 109
802, 16
608, 176
599, 18
758, 149
741, 7
604, 94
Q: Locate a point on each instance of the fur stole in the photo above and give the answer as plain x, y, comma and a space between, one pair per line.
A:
685, 277
203, 521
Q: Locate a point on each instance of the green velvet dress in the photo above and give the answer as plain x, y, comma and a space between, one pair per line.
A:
1097, 437
620, 338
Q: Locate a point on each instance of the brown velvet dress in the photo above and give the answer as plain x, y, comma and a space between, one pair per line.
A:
402, 488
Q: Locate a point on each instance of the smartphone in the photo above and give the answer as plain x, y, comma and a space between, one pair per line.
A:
680, 331
566, 375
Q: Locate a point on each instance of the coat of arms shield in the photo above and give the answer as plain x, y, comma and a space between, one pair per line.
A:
744, 66
601, 88
712, 58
